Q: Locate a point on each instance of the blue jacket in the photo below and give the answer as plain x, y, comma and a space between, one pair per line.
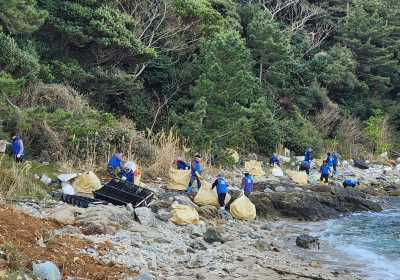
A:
330, 160
307, 155
324, 169
351, 182
247, 182
273, 160
15, 147
335, 160
182, 166
129, 176
115, 162
305, 163
221, 186
197, 168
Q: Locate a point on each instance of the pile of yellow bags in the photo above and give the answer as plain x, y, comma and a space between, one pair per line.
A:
184, 215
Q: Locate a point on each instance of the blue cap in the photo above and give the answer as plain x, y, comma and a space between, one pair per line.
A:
220, 175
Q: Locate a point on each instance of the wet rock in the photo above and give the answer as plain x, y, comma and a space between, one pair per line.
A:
263, 245
225, 215
211, 236
47, 270
146, 217
307, 242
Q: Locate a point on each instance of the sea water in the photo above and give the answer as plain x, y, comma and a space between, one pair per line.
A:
370, 238
364, 244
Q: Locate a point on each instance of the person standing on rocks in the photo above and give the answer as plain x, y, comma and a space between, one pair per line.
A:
116, 161
196, 173
181, 165
324, 169
305, 166
335, 162
329, 159
350, 183
307, 155
247, 184
17, 148
273, 160
221, 190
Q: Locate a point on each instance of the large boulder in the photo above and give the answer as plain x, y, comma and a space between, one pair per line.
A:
108, 215
146, 216
46, 271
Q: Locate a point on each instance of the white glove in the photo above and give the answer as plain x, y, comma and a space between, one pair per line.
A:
123, 178
8, 143
18, 156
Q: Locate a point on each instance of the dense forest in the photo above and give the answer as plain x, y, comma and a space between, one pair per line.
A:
250, 75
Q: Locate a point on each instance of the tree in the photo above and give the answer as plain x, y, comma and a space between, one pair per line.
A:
220, 94
10, 86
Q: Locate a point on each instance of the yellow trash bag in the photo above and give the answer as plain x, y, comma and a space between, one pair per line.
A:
298, 177
234, 154
179, 179
243, 209
184, 215
318, 163
138, 182
254, 167
85, 183
205, 196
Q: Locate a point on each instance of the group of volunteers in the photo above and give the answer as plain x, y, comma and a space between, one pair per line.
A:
127, 170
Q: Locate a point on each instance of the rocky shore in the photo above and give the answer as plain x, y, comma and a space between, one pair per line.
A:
143, 243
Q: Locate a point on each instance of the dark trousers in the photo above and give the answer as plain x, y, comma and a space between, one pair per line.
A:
334, 166
305, 167
111, 171
195, 178
324, 176
221, 199
247, 194
20, 159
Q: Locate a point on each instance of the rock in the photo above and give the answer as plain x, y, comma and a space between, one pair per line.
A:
314, 264
184, 200
280, 189
129, 207
307, 242
211, 236
196, 260
64, 214
268, 190
225, 215
200, 276
262, 245
144, 276
198, 244
195, 230
153, 207
146, 217
107, 215
94, 228
209, 208
254, 236
47, 270
146, 232
266, 227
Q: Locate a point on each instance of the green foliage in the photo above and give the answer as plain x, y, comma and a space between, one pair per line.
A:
8, 85
373, 132
20, 16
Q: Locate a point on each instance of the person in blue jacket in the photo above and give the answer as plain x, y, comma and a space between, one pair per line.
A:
335, 162
115, 162
273, 160
324, 169
350, 183
247, 184
17, 148
221, 190
329, 159
127, 174
305, 166
196, 173
181, 165
307, 155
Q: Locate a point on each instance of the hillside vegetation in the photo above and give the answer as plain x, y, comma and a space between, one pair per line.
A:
82, 78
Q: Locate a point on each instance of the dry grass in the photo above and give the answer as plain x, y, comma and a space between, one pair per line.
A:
17, 182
